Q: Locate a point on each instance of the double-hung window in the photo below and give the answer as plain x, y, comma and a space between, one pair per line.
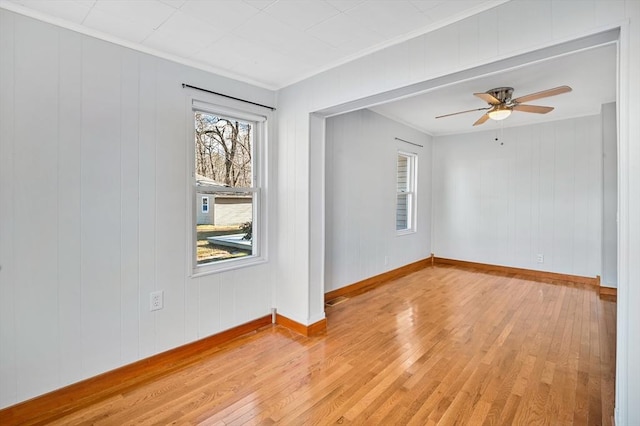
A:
406, 193
227, 179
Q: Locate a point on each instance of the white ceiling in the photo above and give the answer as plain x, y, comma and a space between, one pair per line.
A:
590, 73
272, 43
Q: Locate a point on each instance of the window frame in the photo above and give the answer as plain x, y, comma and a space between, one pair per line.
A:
411, 192
259, 118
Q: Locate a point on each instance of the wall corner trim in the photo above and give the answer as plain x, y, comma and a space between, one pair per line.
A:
608, 292
314, 329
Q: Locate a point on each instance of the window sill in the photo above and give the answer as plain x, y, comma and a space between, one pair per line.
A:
405, 232
226, 265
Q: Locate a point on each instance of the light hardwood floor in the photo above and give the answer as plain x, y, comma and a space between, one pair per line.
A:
443, 345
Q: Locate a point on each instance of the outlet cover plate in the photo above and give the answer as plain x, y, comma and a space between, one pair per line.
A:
156, 300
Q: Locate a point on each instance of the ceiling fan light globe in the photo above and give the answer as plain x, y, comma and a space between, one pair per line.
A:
499, 113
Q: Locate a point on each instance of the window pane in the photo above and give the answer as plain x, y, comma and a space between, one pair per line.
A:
403, 172
224, 155
227, 233
402, 210
405, 184
224, 150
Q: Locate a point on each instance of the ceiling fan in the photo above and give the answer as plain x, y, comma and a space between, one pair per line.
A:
501, 104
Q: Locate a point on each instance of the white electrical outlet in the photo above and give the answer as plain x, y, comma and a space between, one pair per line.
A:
540, 258
157, 300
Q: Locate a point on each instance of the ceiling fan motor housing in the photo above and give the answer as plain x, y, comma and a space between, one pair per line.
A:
503, 94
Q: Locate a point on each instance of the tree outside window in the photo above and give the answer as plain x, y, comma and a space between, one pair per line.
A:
224, 172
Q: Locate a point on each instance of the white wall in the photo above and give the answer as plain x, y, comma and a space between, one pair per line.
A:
471, 42
610, 196
361, 161
93, 138
537, 190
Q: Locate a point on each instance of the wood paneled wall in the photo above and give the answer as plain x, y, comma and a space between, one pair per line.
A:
94, 210
536, 190
361, 160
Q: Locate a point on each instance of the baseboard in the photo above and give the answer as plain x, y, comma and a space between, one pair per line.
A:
56, 404
609, 292
305, 330
369, 283
539, 275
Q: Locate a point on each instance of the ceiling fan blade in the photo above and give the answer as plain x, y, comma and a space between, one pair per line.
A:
545, 93
532, 108
481, 120
462, 112
488, 98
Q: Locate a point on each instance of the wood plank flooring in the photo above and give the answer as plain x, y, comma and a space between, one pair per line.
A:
443, 345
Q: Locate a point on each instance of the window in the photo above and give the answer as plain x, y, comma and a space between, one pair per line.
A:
228, 229
406, 193
205, 204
